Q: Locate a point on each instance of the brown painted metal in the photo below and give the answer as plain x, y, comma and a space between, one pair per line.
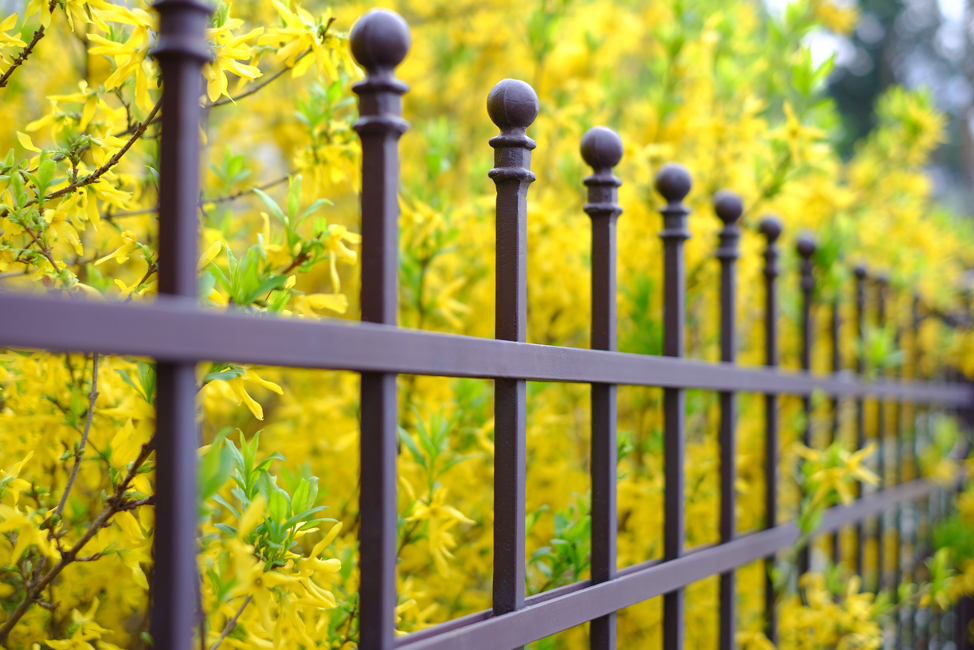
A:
882, 284
602, 150
512, 106
728, 207
380, 41
860, 273
771, 229
181, 51
835, 324
544, 617
182, 332
175, 332
673, 182
805, 245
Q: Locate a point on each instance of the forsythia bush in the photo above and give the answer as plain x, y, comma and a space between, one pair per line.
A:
717, 85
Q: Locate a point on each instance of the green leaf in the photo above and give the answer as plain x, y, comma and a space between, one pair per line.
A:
293, 198
411, 446
223, 502
299, 500
314, 207
278, 507
215, 469
266, 286
128, 380
272, 206
147, 375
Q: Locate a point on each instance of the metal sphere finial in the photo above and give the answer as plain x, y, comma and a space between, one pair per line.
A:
882, 278
728, 206
601, 148
771, 228
380, 40
673, 182
806, 245
860, 271
512, 105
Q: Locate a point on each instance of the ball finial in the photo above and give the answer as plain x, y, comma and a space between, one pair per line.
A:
806, 244
882, 278
601, 148
673, 182
771, 228
860, 271
512, 105
728, 206
380, 40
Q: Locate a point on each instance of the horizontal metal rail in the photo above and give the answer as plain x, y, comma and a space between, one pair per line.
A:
176, 330
544, 615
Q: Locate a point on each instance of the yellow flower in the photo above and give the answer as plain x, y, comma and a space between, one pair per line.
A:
85, 629
334, 241
6, 40
301, 33
130, 56
121, 254
59, 226
228, 49
237, 384
441, 518
306, 304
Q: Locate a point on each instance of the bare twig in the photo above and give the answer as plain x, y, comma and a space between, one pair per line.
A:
22, 57
80, 454
232, 623
116, 503
251, 91
219, 199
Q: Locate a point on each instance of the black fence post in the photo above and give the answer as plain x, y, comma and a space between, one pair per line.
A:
512, 106
771, 229
602, 150
673, 182
380, 41
181, 51
805, 245
835, 326
729, 208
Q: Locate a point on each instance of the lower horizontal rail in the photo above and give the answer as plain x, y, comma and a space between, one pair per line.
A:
177, 330
578, 604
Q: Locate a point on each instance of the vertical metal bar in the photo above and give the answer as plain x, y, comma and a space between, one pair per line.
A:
835, 327
512, 106
771, 229
181, 51
673, 182
881, 285
860, 273
911, 627
602, 150
899, 410
380, 41
806, 248
729, 208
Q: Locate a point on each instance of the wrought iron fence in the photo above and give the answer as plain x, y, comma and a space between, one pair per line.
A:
178, 334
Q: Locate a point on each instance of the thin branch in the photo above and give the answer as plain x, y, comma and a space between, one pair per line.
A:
232, 623
22, 57
116, 503
251, 91
219, 199
80, 455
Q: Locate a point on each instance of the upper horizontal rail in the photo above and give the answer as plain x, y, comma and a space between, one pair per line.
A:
572, 607
176, 330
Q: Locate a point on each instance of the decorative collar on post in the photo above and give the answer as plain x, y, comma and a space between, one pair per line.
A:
729, 209
806, 247
182, 29
673, 182
771, 228
380, 41
512, 105
602, 150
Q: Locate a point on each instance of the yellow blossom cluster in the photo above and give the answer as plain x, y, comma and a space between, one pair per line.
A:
720, 86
